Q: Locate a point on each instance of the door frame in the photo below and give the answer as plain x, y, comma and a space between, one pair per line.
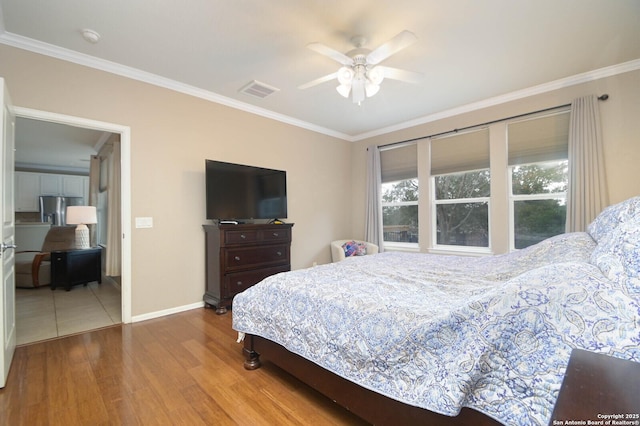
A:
125, 186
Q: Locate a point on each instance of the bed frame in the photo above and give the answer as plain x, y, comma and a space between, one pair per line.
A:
370, 406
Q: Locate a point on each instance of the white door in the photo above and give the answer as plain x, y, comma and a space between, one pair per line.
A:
7, 234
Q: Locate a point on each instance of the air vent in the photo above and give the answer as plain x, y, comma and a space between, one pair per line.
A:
258, 89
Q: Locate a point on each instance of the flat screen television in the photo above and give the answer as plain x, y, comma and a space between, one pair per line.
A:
239, 192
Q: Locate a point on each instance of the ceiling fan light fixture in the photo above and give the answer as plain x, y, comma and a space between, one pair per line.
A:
359, 75
345, 75
375, 75
371, 89
344, 90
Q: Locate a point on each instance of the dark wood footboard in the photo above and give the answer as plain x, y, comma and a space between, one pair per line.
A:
370, 406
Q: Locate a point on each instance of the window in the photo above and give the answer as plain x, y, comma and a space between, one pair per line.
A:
489, 189
461, 181
400, 211
538, 169
400, 194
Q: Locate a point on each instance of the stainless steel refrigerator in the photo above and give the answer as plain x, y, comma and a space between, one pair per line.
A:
53, 209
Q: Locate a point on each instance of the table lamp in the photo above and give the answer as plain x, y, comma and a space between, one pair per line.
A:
82, 216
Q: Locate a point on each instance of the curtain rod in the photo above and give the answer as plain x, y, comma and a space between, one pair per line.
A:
600, 98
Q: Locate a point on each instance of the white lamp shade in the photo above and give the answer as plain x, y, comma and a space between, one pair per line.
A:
81, 216
77, 215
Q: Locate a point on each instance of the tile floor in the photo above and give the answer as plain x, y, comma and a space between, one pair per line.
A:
44, 314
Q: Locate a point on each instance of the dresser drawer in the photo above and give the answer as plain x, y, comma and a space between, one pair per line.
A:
240, 236
251, 257
274, 235
237, 282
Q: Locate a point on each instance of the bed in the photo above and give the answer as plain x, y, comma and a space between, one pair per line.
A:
416, 338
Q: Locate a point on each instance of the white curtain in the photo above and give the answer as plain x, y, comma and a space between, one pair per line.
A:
587, 191
373, 219
114, 229
94, 181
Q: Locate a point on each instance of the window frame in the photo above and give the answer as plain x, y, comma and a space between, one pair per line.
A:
513, 198
434, 215
500, 202
405, 246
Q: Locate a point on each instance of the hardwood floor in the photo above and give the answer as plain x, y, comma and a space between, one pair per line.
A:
183, 369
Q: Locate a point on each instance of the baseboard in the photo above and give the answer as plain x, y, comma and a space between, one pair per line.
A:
165, 312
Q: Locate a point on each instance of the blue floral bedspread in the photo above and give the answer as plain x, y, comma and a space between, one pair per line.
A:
446, 332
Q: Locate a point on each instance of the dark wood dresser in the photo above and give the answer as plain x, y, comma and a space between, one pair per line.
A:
239, 256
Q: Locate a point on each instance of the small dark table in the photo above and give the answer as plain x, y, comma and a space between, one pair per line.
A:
71, 267
598, 390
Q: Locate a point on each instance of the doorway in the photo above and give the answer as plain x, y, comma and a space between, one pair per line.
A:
94, 293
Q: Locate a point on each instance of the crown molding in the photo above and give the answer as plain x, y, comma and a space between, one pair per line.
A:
519, 94
46, 49
57, 52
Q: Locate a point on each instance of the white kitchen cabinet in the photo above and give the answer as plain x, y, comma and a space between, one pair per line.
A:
27, 186
30, 186
73, 186
50, 184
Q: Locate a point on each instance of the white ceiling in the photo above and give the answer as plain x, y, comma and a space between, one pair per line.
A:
472, 53
43, 146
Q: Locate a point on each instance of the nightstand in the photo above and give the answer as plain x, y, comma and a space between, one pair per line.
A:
72, 267
598, 389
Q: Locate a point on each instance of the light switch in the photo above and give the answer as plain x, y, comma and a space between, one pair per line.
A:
144, 222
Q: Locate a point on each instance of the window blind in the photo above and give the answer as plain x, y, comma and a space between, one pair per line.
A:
459, 153
399, 163
539, 139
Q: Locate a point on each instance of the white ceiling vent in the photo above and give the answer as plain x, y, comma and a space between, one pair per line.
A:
258, 89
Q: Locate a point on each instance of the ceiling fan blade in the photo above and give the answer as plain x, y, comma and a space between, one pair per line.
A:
331, 53
402, 75
320, 80
396, 44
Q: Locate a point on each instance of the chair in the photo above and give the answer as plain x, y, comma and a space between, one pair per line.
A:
36, 272
337, 250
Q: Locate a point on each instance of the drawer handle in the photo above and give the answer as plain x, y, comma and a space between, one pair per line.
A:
243, 236
275, 234
279, 253
239, 283
237, 258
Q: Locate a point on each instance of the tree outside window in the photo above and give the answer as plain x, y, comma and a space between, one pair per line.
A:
538, 197
400, 211
462, 208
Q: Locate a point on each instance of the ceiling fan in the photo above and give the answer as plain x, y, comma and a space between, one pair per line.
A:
360, 74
